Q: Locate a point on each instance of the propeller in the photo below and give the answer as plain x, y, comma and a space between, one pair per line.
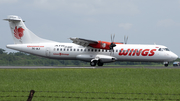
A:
112, 45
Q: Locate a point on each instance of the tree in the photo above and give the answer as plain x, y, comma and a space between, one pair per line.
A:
2, 51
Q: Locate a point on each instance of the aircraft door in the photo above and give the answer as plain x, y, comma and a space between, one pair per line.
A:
48, 51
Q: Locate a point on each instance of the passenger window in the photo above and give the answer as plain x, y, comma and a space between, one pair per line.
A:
70, 49
74, 49
57, 49
91, 50
88, 49
61, 49
64, 49
67, 49
77, 49
99, 50
81, 49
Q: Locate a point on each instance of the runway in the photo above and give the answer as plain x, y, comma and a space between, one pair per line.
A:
84, 67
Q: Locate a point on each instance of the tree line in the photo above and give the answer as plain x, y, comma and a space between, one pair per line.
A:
24, 59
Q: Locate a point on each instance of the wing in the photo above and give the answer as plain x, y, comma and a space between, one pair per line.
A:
83, 42
93, 44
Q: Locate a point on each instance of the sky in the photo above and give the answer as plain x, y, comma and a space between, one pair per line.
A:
143, 21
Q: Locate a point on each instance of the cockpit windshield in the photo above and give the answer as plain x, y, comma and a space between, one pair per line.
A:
164, 49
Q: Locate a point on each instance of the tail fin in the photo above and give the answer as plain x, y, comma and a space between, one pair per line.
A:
21, 34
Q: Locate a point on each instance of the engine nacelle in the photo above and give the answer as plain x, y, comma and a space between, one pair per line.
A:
103, 45
100, 58
105, 58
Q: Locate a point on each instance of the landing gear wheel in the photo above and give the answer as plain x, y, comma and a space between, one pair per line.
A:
100, 64
166, 64
93, 63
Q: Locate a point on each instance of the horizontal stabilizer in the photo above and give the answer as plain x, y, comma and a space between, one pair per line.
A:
13, 18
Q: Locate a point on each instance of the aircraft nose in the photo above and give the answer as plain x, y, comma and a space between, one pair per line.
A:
174, 56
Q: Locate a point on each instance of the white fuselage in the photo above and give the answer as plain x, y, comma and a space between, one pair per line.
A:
122, 52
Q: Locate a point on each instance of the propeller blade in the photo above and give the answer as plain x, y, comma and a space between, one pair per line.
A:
125, 39
111, 51
112, 45
113, 37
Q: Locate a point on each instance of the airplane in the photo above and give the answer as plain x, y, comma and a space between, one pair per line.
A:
94, 52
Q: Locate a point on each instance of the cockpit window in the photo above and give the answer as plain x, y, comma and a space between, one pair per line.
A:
164, 49
167, 49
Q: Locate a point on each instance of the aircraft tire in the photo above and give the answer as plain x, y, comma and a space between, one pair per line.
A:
100, 64
165, 65
93, 63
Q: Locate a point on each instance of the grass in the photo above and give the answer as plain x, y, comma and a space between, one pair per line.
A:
133, 84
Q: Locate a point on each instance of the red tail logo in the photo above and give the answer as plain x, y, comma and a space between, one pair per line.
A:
18, 32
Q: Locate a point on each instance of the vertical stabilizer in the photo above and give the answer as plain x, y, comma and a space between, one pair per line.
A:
21, 34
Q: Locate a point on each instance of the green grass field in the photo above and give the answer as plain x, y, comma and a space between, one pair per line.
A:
90, 84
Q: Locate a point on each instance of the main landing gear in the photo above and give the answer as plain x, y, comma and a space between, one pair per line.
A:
94, 62
166, 64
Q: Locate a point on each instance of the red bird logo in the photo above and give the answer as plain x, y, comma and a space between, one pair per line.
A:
18, 32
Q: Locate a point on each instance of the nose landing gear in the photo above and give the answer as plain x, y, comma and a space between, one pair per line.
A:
166, 64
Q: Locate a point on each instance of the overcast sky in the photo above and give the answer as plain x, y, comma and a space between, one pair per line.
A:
144, 21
